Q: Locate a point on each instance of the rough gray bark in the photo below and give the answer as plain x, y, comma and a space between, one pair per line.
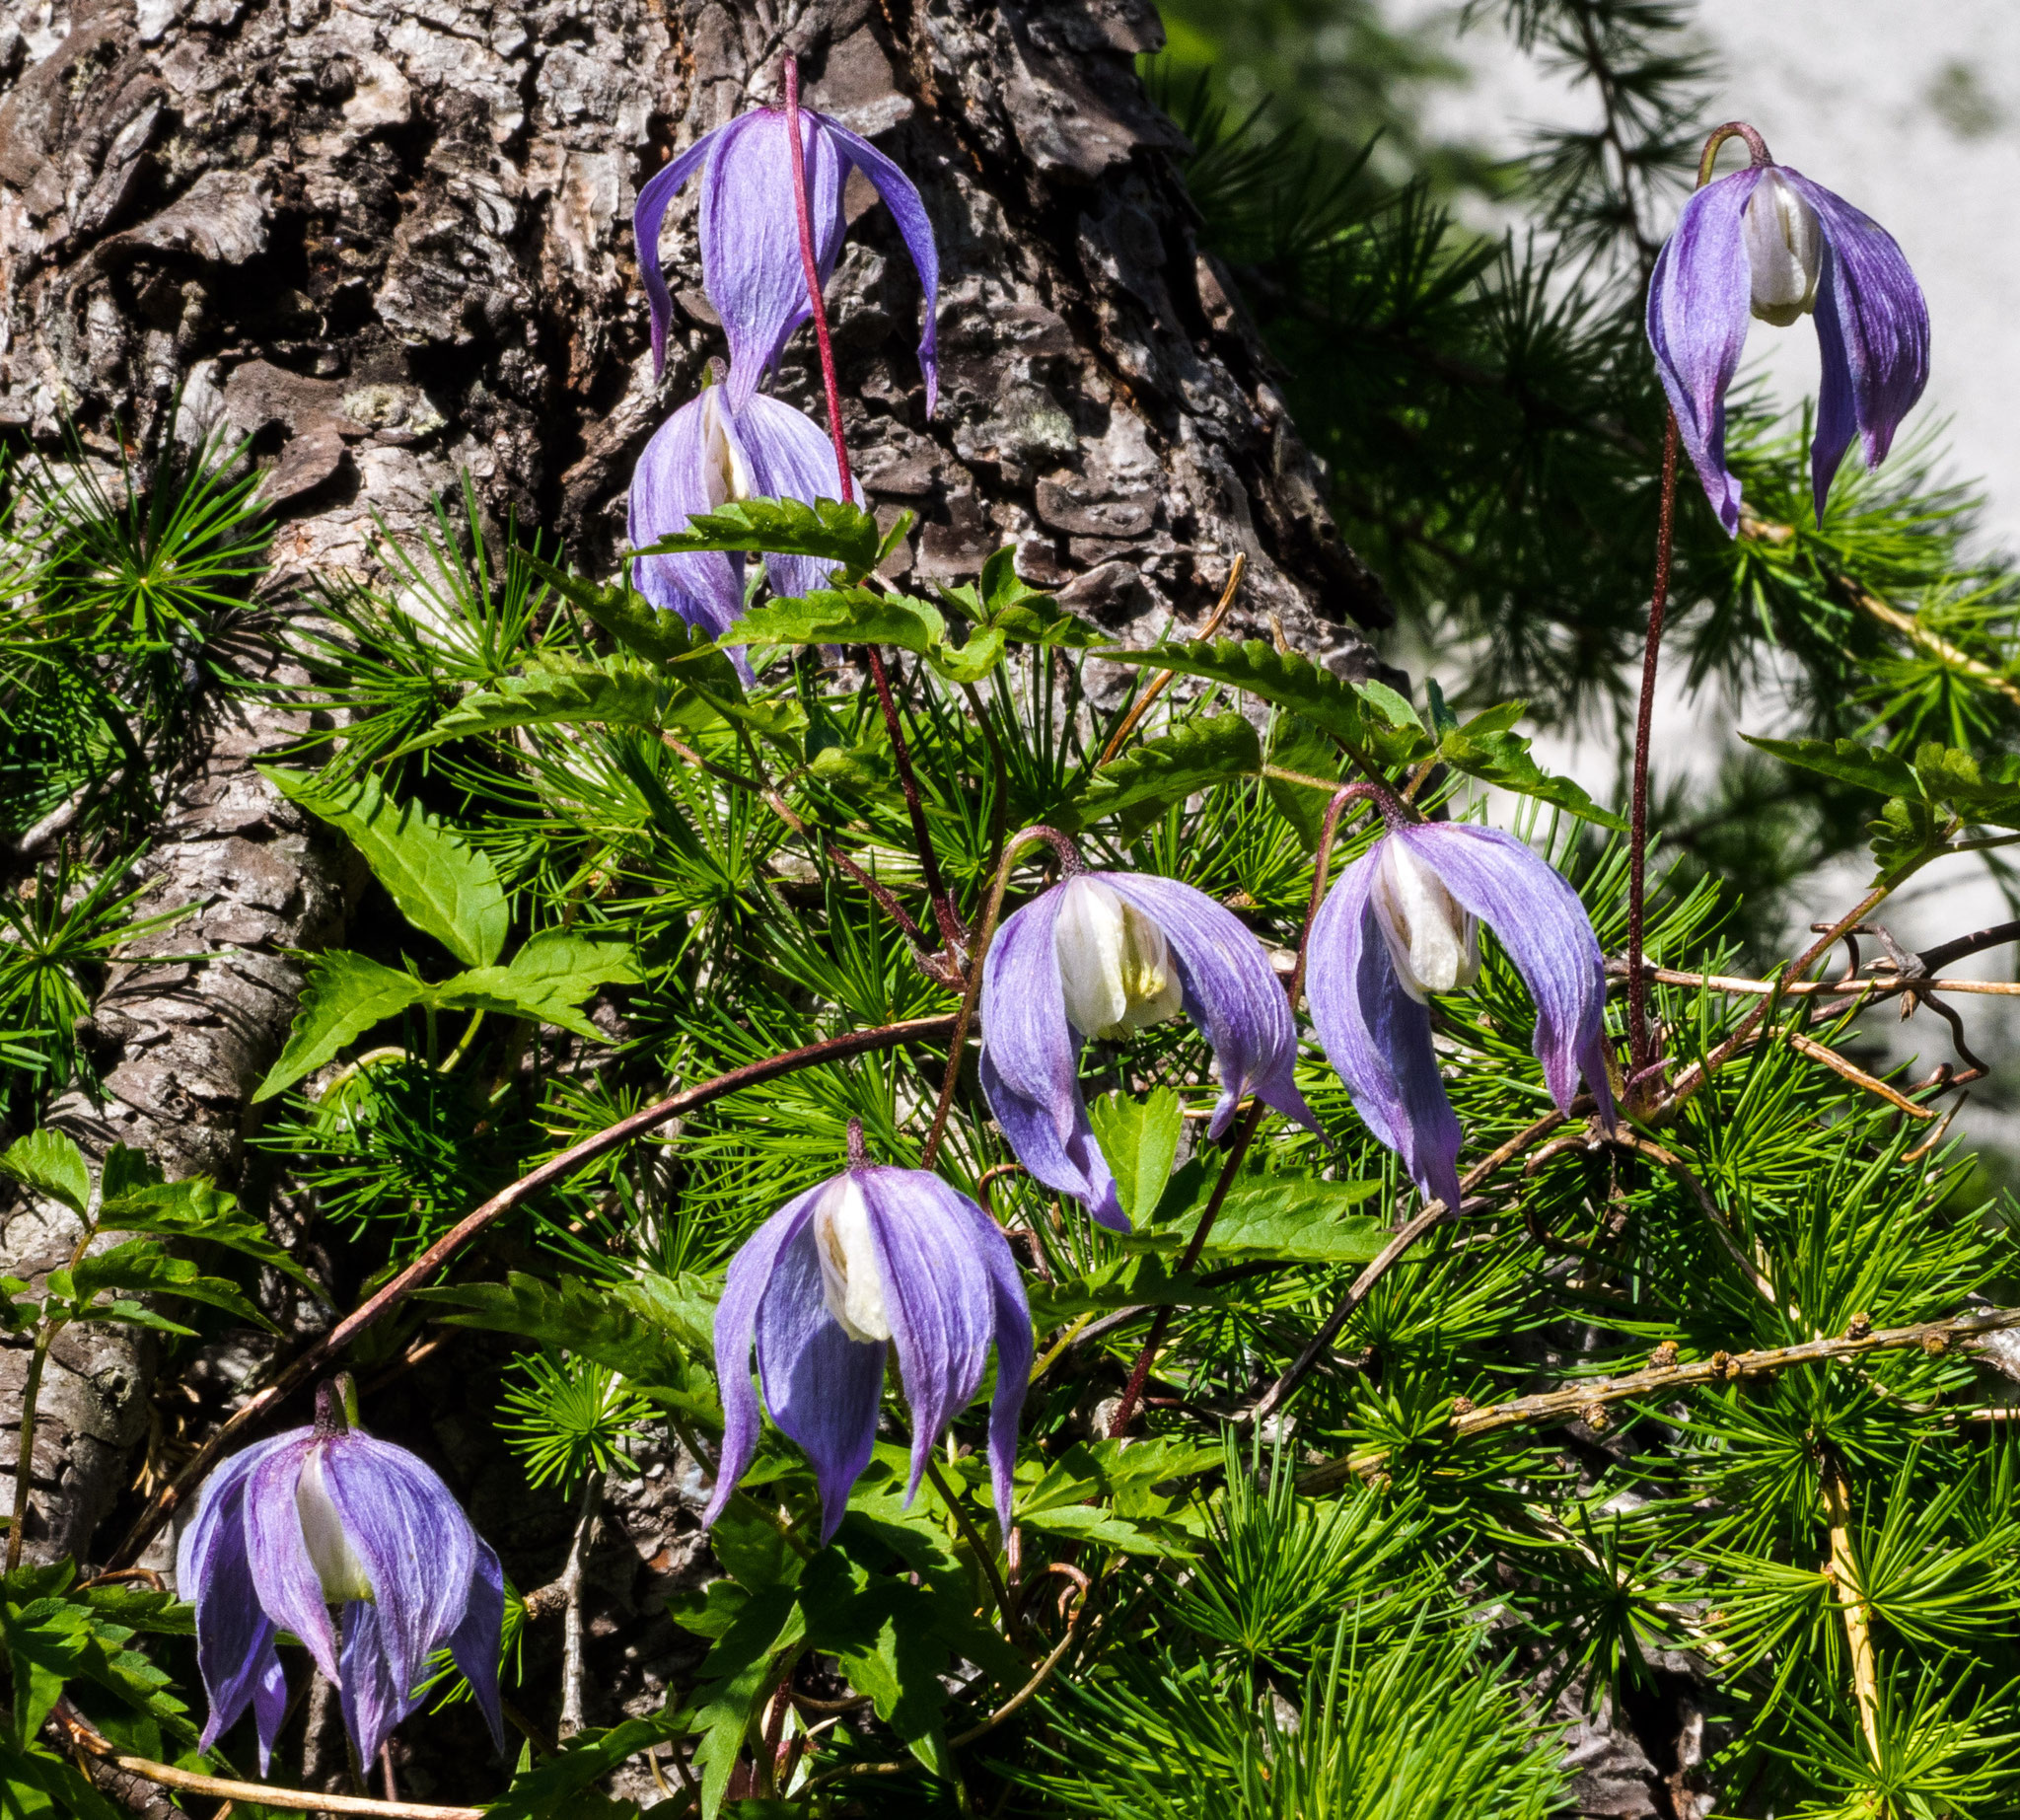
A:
182, 1045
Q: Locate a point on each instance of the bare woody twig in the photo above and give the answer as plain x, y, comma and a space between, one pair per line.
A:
1163, 678
555, 1169
1580, 1398
572, 1586
293, 1801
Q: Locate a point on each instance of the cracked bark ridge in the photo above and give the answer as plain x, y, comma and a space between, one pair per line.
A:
181, 1044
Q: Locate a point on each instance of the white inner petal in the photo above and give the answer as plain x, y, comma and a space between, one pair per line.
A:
336, 1563
1783, 250
1434, 944
729, 471
851, 1284
1113, 961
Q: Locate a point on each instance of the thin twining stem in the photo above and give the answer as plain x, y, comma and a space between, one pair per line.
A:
971, 996
1640, 1038
1583, 1399
1321, 863
985, 1555
951, 931
1008, 1709
553, 1170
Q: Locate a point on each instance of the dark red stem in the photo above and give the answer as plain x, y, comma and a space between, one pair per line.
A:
1640, 1039
813, 268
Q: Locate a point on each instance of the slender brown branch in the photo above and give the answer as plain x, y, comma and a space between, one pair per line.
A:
1575, 1400
951, 931
553, 1170
1163, 678
295, 1800
1363, 1285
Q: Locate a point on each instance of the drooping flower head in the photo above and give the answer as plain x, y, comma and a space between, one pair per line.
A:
1400, 927
328, 1516
1103, 954
1768, 242
702, 457
873, 1258
751, 261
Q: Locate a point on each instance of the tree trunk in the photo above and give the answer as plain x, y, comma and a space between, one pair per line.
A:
392, 242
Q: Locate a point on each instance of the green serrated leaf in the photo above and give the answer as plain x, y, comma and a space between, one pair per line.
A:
1140, 1139
441, 884
1149, 777
841, 616
345, 997
196, 1208
621, 1331
741, 1670
1290, 681
1295, 1218
1298, 744
49, 1163
547, 980
1483, 748
618, 693
564, 1786
826, 530
1871, 767
627, 615
145, 1267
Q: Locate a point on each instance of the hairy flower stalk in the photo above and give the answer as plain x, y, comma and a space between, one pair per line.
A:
876, 1258
750, 262
1102, 955
1767, 243
328, 1517
705, 456
1400, 928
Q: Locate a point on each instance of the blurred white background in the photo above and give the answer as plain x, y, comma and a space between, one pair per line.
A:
1910, 112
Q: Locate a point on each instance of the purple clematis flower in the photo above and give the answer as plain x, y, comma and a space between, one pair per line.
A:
1103, 954
1768, 242
750, 261
1402, 924
702, 457
325, 1516
874, 1257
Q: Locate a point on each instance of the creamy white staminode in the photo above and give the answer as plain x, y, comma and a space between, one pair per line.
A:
335, 1561
1113, 961
1434, 944
727, 468
852, 1281
1783, 250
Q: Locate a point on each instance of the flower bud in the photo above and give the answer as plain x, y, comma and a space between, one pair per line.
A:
851, 1279
1113, 963
1783, 248
1433, 943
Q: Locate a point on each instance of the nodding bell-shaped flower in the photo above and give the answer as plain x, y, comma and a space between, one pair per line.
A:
1100, 955
1769, 243
1402, 925
751, 266
873, 1258
326, 1517
702, 457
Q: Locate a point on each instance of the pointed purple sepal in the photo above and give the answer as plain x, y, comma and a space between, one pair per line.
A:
1030, 1052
